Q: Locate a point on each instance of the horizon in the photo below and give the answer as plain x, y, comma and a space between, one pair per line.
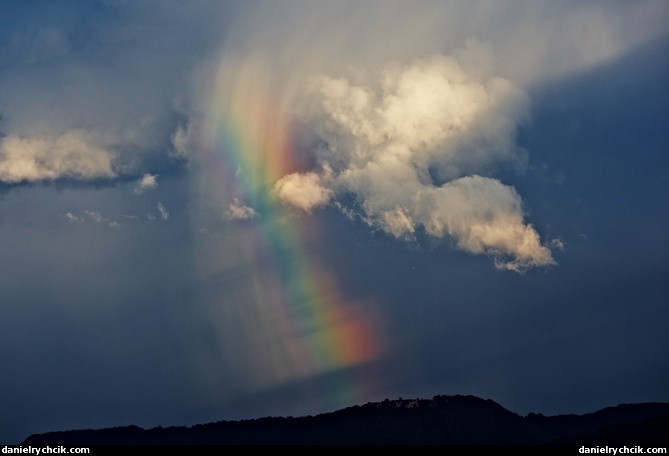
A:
423, 419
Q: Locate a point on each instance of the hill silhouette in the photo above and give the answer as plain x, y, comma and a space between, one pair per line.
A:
450, 420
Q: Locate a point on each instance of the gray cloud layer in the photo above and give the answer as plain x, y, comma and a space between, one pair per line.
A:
118, 71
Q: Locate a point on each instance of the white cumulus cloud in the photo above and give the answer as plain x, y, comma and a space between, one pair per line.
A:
408, 112
163, 212
303, 190
414, 145
75, 154
239, 211
147, 182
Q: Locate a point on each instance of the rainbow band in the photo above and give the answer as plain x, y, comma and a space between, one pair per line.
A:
322, 334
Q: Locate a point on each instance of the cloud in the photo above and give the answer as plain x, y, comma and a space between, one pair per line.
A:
303, 191
238, 211
412, 145
90, 92
183, 142
557, 244
163, 212
147, 182
95, 216
105, 54
406, 116
75, 154
72, 218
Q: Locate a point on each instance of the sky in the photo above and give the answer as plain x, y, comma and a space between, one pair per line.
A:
217, 210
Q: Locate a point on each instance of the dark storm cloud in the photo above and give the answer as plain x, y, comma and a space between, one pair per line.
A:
92, 92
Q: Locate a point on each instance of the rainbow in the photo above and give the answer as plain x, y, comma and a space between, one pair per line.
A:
322, 335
